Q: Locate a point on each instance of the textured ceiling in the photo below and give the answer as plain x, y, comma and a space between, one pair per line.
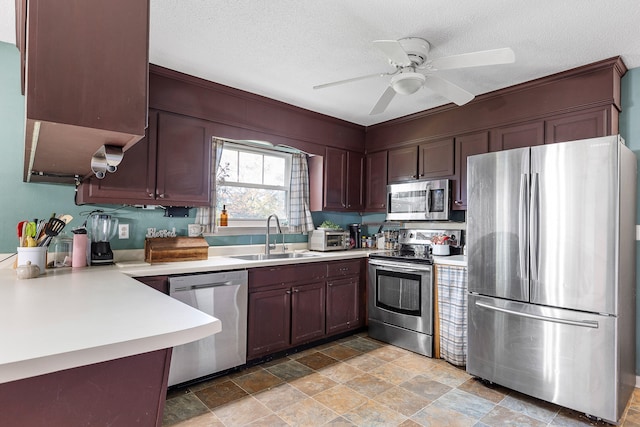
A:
282, 48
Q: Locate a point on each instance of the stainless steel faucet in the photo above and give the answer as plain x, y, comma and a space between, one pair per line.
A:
267, 245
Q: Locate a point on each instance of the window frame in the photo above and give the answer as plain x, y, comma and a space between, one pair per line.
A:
256, 226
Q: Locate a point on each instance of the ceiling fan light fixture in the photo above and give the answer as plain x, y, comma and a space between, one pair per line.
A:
407, 83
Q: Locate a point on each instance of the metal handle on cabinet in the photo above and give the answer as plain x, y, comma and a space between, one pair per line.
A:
583, 323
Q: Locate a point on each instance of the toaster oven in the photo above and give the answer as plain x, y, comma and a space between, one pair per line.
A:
328, 240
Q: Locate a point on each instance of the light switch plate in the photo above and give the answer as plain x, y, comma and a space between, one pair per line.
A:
123, 231
637, 232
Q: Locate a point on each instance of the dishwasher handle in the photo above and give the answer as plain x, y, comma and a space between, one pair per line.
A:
205, 286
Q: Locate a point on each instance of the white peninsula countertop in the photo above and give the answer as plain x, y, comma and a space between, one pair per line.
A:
68, 318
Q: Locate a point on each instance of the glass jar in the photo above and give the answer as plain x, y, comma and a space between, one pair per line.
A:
60, 251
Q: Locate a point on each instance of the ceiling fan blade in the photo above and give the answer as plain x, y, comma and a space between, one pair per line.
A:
384, 101
474, 59
394, 51
353, 79
447, 89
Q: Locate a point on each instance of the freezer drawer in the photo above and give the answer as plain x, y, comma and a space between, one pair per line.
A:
561, 356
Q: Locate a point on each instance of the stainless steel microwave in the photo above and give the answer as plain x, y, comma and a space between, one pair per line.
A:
420, 200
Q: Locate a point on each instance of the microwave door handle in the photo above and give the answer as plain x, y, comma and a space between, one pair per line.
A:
428, 189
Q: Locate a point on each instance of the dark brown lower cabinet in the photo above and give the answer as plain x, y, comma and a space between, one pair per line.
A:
159, 283
297, 304
268, 321
121, 392
307, 312
342, 304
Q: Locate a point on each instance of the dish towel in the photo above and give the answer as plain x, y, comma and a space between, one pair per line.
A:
452, 306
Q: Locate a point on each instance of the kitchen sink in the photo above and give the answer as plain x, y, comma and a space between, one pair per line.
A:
259, 257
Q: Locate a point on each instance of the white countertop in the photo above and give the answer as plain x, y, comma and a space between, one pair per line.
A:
456, 260
73, 317
69, 318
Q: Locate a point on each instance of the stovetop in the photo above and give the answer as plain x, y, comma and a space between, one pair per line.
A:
403, 256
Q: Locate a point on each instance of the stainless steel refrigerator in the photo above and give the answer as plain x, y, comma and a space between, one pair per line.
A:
551, 259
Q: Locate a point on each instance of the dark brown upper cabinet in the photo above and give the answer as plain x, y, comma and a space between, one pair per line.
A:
425, 161
85, 70
336, 181
376, 182
171, 166
568, 127
467, 145
517, 136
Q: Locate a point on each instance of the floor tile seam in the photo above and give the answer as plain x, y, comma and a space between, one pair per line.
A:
208, 409
235, 401
512, 394
258, 391
278, 412
410, 416
545, 422
470, 394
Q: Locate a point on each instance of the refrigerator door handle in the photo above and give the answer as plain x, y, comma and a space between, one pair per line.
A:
522, 225
534, 222
582, 323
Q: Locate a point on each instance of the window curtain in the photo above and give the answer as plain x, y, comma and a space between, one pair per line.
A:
300, 220
207, 216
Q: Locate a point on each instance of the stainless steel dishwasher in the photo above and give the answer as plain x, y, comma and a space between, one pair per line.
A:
222, 295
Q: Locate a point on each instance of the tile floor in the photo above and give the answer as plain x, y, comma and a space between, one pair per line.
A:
358, 381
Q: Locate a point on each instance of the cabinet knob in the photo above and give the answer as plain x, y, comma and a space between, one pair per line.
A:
151, 195
421, 174
288, 292
162, 196
414, 176
458, 202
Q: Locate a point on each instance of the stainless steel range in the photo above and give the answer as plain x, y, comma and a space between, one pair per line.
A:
400, 297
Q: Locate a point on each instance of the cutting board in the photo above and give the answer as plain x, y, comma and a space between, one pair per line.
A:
173, 249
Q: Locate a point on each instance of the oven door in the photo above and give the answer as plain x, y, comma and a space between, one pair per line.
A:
401, 294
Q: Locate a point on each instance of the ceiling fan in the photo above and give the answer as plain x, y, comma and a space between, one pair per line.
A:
414, 71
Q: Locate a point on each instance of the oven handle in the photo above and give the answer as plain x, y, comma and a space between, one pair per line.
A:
400, 267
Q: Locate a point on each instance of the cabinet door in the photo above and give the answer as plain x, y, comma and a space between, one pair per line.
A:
569, 127
135, 180
466, 146
376, 182
355, 181
307, 312
335, 178
184, 161
518, 136
403, 164
268, 321
342, 304
435, 159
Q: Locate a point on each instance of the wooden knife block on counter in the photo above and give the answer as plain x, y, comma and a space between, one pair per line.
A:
173, 249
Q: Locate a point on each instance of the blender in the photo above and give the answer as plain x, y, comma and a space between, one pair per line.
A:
103, 228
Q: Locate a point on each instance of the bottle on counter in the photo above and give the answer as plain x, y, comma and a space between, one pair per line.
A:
224, 217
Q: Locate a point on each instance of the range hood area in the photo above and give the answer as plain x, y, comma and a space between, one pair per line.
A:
85, 82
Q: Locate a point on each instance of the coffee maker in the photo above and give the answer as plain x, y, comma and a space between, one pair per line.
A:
103, 228
355, 234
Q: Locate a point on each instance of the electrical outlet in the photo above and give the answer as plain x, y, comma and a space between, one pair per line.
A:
123, 231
